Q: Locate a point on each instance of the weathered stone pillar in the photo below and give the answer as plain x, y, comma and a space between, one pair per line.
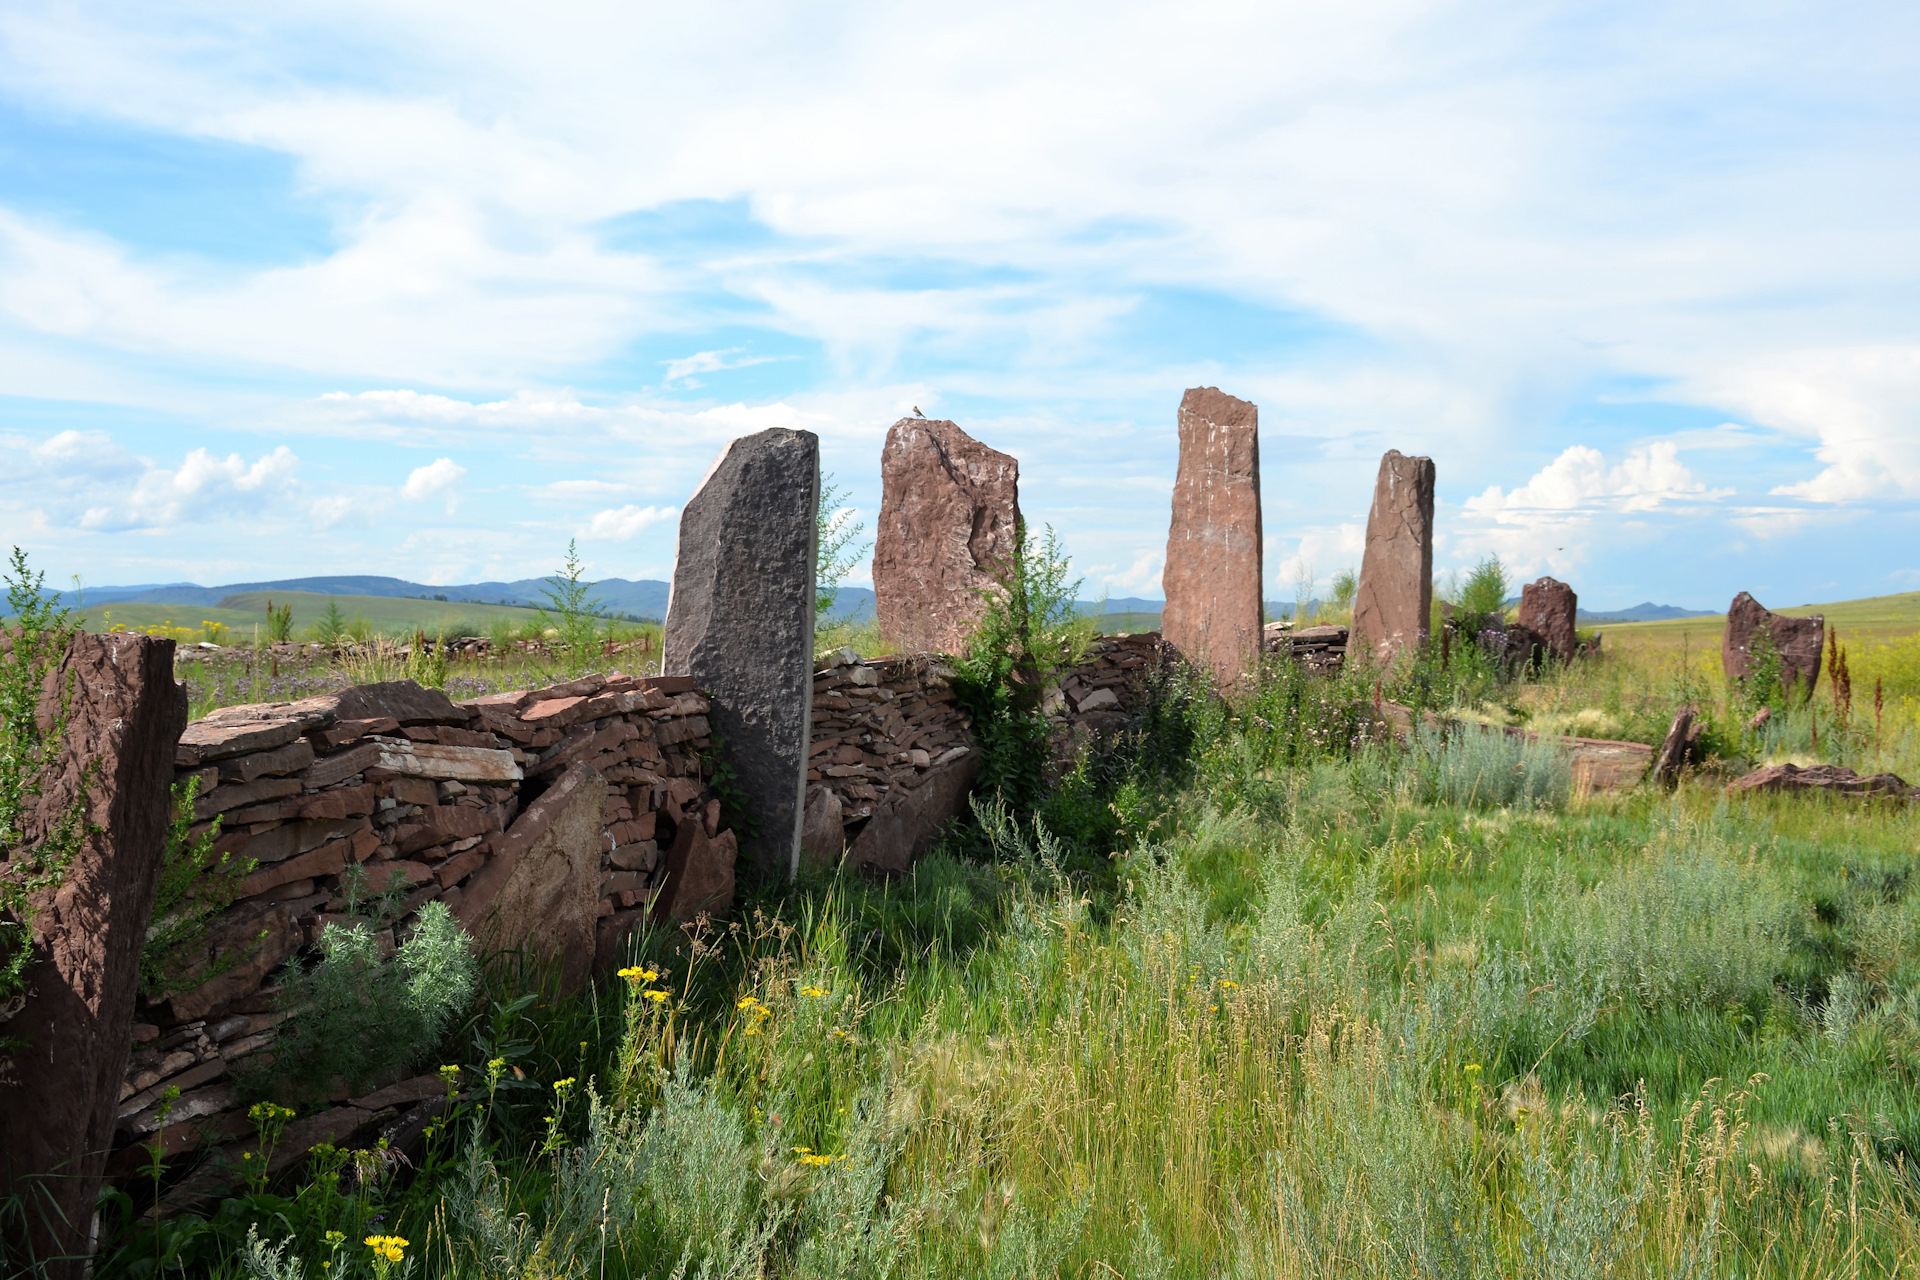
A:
1550, 608
1212, 577
949, 507
60, 1091
1798, 641
740, 622
1392, 609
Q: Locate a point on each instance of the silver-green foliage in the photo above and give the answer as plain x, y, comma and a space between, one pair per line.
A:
360, 1017
1477, 767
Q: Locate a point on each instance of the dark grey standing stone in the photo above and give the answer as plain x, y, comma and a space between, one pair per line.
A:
740, 623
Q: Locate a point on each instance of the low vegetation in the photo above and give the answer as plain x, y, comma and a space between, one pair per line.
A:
1259, 991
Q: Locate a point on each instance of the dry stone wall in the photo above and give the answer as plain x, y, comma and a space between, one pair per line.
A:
545, 819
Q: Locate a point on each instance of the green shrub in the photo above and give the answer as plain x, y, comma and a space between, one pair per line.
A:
575, 620
837, 549
329, 628
1483, 598
363, 1019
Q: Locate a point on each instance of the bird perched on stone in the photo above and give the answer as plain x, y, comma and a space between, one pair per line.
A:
917, 413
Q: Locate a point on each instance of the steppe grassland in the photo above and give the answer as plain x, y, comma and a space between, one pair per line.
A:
1310, 1018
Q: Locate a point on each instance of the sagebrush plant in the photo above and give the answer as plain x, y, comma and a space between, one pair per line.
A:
33, 858
360, 1018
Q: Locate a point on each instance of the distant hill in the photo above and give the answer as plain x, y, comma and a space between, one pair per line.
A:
645, 598
1646, 612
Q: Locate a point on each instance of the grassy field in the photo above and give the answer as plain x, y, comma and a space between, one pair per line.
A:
1246, 999
240, 614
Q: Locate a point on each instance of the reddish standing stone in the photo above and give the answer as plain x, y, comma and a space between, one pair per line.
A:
1548, 607
1214, 613
1394, 605
1798, 641
949, 507
62, 1087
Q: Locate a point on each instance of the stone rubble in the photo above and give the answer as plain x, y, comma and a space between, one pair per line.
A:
1321, 650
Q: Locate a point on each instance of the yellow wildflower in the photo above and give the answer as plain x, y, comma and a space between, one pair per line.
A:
815, 992
657, 996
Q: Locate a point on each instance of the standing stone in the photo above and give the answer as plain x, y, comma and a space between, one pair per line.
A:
1798, 641
949, 508
1393, 608
60, 1090
1212, 578
740, 622
1549, 608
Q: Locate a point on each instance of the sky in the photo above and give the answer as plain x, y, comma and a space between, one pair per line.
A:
430, 289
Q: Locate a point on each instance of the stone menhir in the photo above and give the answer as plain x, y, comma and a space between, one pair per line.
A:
1549, 608
1214, 613
740, 623
949, 509
1797, 640
58, 1104
1394, 605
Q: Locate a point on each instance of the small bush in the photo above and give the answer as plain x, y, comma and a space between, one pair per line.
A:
363, 1019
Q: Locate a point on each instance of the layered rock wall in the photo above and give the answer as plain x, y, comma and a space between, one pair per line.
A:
540, 817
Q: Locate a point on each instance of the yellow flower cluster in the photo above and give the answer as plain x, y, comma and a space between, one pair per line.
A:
267, 1113
751, 1007
813, 992
637, 977
806, 1156
392, 1248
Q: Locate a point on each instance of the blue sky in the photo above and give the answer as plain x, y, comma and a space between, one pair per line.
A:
428, 289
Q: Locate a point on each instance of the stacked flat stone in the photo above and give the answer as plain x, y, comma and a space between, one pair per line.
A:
1097, 697
1321, 650
449, 802
881, 729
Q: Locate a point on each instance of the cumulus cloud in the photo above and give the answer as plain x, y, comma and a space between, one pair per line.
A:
617, 524
202, 487
438, 479
1579, 482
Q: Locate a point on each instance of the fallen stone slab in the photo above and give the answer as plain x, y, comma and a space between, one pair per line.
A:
1832, 779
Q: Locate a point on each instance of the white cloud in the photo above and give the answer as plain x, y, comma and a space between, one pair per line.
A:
1319, 553
438, 479
203, 487
1579, 482
620, 523
682, 370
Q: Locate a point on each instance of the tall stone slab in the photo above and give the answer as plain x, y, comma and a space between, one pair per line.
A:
1214, 609
949, 509
740, 623
1392, 610
1798, 641
60, 1091
1550, 608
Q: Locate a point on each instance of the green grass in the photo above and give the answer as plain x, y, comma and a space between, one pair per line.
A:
1310, 1012
241, 613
